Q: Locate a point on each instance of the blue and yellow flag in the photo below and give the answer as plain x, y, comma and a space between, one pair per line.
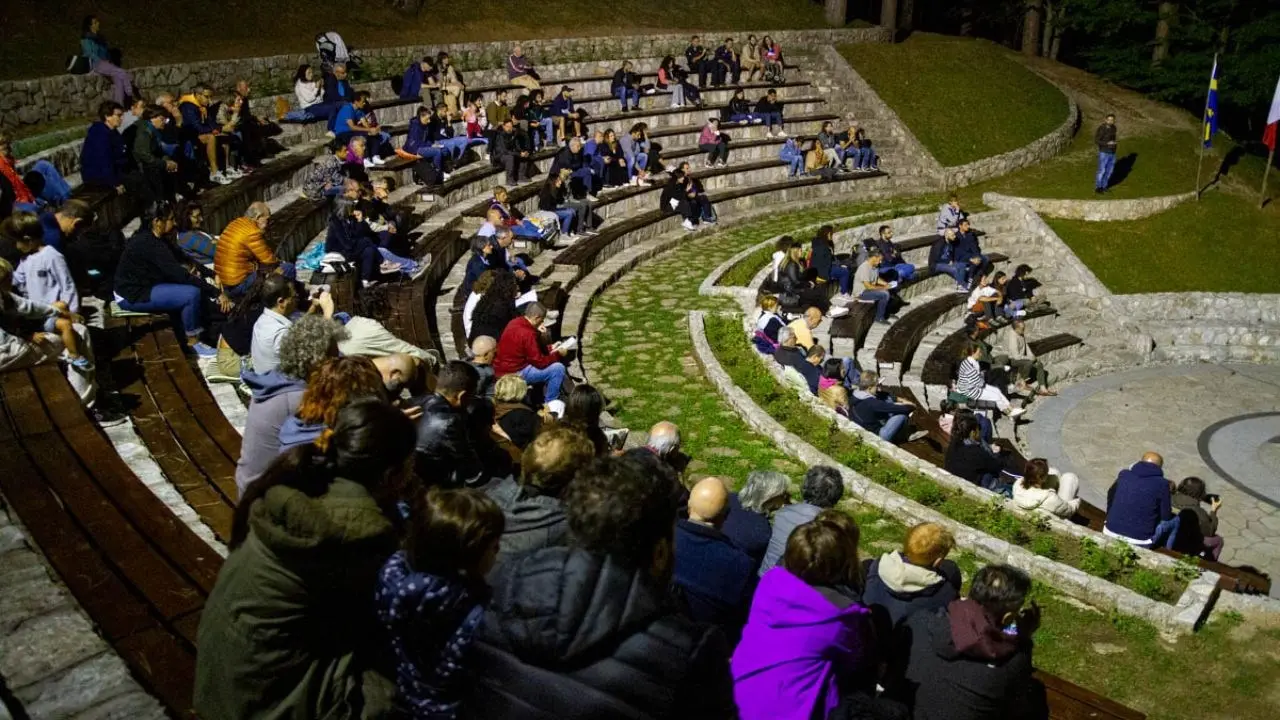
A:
1211, 106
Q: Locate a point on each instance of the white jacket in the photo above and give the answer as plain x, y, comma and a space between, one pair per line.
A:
15, 350
1043, 499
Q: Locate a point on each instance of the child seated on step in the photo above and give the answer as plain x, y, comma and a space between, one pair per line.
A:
43, 277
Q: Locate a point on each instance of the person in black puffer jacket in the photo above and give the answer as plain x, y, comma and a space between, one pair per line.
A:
585, 631
446, 454
496, 308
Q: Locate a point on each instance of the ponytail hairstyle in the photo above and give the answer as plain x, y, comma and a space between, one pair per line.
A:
371, 443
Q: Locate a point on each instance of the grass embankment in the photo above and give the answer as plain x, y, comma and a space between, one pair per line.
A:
963, 99
638, 353
39, 35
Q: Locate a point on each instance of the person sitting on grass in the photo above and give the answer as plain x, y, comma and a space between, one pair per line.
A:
1040, 488
969, 458
104, 159
820, 490
740, 110
971, 660
714, 143
1201, 537
1140, 504
769, 110
626, 87
804, 326
431, 595
878, 411
917, 578
522, 350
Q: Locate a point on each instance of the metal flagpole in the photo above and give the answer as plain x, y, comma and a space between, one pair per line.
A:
1204, 119
1262, 201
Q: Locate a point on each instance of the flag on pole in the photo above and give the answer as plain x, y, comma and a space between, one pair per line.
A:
1273, 119
1211, 106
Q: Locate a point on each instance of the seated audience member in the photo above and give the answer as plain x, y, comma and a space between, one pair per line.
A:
518, 422
431, 595
328, 177
203, 129
892, 265
1140, 504
793, 280
821, 489
42, 275
726, 64
808, 643
483, 349
33, 333
918, 578
153, 275
768, 323
480, 262
132, 114
671, 75
242, 252
573, 160
942, 259
353, 119
366, 335
309, 91
795, 158
699, 59
789, 355
334, 384
1040, 488
94, 48
104, 159
414, 77
969, 458
337, 89
445, 451
769, 111
533, 505
574, 213
244, 150
521, 351
1200, 537
477, 290
626, 87
279, 301
823, 260
969, 252
42, 186
714, 143
61, 226
971, 383
499, 109
349, 236
235, 337
582, 410
747, 525
750, 57
641, 154
1020, 292
496, 308
199, 245
276, 395
613, 172
427, 151
713, 577
871, 288
771, 56
1030, 371
878, 411
663, 444
512, 151
318, 524
950, 215
804, 326
451, 84
983, 300
739, 110
818, 160
683, 196
568, 119
631, 653
971, 660
835, 397
858, 147
147, 152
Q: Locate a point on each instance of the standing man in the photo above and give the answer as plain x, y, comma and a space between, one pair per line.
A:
1105, 137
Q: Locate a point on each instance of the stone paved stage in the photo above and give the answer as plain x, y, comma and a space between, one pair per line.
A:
1218, 422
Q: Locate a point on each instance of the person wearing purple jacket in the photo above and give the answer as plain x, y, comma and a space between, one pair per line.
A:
808, 641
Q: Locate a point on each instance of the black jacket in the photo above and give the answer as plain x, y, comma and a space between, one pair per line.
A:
935, 252
795, 358
1104, 136
739, 106
147, 261
551, 197
571, 635
533, 521
491, 318
971, 461
822, 258
507, 144
763, 105
623, 79
946, 682
446, 455
673, 191
567, 159
791, 277
892, 605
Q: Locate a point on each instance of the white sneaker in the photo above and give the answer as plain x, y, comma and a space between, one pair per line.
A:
918, 435
837, 311
369, 163
769, 135
688, 225
1016, 412
721, 164
758, 121
220, 179
677, 105
233, 173
592, 198
446, 176
378, 160
782, 134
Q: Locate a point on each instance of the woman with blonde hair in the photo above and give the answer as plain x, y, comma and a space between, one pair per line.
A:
519, 422
835, 397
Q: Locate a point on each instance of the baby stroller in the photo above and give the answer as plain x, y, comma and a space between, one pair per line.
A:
334, 51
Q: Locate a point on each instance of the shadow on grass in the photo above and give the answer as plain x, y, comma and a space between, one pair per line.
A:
1123, 167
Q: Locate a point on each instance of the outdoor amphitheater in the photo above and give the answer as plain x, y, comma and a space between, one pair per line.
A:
117, 516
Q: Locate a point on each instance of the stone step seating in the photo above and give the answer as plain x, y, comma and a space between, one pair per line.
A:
898, 345
588, 83
139, 573
940, 367
177, 417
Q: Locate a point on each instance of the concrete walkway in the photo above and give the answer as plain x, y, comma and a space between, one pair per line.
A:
1218, 422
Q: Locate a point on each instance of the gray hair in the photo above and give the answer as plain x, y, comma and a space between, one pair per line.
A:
308, 341
535, 310
761, 487
664, 438
869, 379
786, 335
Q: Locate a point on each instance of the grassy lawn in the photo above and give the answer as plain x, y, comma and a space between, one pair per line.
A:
1222, 243
638, 353
948, 91
38, 35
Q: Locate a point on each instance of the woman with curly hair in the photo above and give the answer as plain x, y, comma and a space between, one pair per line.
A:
333, 385
496, 307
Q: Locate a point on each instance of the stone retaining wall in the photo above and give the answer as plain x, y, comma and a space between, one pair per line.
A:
1095, 210
1026, 156
1178, 618
28, 102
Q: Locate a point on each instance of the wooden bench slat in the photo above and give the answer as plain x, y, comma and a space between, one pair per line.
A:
166, 665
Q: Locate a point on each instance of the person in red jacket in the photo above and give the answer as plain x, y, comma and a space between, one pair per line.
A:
520, 352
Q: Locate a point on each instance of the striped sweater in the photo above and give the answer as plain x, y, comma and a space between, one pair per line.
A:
970, 380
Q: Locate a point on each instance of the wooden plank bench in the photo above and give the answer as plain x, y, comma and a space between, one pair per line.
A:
178, 419
1046, 345
900, 341
940, 367
1067, 701
290, 230
140, 574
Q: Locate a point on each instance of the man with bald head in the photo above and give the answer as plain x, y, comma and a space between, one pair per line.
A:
242, 252
714, 578
804, 326
664, 444
1139, 504
483, 350
400, 371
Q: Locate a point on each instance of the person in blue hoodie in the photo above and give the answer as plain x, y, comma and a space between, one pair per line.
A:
790, 154
103, 156
969, 253
1140, 505
419, 144
570, 121
277, 395
334, 383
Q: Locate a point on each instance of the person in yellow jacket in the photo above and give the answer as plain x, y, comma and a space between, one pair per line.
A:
242, 252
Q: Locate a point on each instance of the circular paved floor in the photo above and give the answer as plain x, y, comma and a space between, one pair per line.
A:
1218, 422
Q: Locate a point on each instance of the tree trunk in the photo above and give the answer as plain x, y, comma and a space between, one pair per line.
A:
906, 15
889, 14
836, 12
1046, 37
1031, 28
1166, 13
